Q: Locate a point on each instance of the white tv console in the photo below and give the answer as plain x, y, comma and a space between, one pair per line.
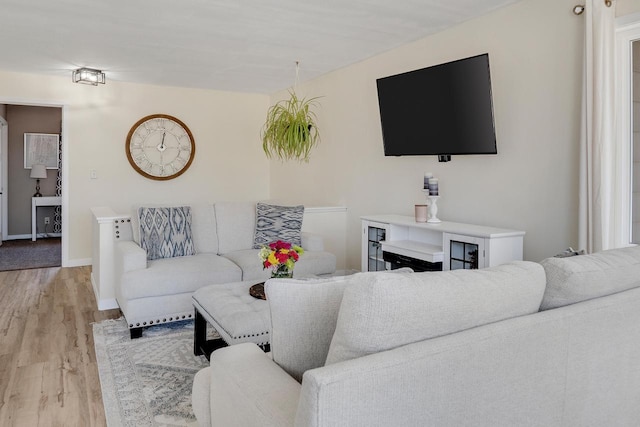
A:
453, 244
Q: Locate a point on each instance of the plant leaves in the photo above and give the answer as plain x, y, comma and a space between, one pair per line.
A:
290, 131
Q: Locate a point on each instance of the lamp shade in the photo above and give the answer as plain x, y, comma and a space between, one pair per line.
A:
38, 171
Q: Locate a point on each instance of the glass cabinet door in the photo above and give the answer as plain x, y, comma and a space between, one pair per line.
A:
463, 252
463, 256
374, 249
372, 234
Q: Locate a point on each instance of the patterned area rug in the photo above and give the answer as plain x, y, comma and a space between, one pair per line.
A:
147, 381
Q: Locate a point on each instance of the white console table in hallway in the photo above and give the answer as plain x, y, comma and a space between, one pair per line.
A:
41, 201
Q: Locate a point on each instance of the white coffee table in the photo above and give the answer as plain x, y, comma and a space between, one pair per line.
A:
233, 313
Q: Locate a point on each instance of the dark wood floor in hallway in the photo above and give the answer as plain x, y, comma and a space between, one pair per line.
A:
48, 370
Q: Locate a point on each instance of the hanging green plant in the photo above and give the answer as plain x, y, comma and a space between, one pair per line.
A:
290, 131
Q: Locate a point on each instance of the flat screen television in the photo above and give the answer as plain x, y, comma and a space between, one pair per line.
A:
440, 110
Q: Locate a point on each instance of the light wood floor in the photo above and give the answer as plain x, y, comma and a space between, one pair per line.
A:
48, 370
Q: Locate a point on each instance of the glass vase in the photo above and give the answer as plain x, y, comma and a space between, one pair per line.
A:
281, 272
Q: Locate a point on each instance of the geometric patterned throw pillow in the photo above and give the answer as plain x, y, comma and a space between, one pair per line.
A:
166, 232
277, 223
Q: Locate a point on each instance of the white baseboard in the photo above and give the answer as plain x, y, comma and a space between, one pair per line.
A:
106, 303
94, 286
18, 237
28, 236
45, 235
78, 262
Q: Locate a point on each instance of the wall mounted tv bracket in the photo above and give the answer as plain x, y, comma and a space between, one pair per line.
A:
444, 157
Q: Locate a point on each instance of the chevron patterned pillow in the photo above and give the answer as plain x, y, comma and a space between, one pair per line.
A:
166, 232
277, 223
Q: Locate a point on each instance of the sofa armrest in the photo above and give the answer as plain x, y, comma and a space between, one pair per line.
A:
129, 257
200, 397
312, 242
248, 389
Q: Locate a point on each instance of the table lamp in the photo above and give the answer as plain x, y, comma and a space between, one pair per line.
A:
38, 172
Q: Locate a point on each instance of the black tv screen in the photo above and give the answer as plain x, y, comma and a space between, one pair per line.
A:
439, 110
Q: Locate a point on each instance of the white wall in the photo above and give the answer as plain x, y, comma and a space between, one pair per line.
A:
626, 7
229, 163
636, 144
535, 49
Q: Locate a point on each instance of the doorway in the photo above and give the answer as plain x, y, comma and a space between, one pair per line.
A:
31, 135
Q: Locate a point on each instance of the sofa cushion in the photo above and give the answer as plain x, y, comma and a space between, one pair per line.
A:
315, 262
203, 225
173, 276
275, 222
249, 263
574, 279
236, 222
383, 311
166, 232
310, 263
303, 319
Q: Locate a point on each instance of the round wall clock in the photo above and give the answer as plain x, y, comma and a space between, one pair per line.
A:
160, 147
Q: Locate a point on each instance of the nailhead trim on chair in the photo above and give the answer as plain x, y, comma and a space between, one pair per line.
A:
254, 335
164, 320
117, 227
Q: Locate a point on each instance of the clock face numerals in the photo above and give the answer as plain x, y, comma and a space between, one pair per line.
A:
160, 147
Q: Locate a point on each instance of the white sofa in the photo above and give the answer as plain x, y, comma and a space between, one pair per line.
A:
460, 348
159, 291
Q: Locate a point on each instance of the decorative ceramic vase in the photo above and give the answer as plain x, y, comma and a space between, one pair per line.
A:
421, 213
281, 272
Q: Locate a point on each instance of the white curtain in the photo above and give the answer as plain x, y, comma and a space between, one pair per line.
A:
602, 186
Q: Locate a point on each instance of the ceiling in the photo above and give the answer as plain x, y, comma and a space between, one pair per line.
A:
234, 45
